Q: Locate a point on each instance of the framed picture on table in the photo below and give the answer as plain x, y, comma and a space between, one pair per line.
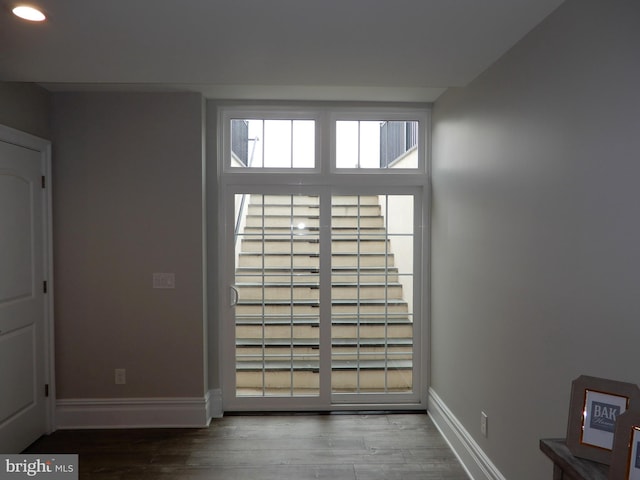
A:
596, 403
625, 459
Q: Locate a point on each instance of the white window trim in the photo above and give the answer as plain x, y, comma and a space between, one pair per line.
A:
325, 135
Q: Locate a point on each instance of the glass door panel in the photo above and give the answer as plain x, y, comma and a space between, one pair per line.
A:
372, 327
277, 315
329, 320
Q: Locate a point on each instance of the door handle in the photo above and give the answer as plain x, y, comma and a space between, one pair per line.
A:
234, 296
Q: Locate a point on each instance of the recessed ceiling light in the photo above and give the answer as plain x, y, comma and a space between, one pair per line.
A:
29, 13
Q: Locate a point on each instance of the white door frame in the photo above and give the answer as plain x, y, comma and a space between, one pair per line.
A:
325, 175
43, 147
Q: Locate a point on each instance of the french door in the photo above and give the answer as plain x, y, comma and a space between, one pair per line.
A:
324, 306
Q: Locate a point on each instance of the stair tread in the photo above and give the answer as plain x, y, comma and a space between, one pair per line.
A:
307, 365
363, 301
303, 239
315, 285
354, 216
311, 342
259, 320
306, 254
314, 228
336, 268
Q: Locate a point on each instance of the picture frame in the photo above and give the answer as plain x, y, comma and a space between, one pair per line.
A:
625, 458
595, 405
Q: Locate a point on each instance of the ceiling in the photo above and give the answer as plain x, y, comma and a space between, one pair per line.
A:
394, 50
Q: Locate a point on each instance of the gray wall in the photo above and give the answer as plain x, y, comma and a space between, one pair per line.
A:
128, 201
536, 230
25, 107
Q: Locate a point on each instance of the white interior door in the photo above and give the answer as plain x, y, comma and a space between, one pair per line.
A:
23, 303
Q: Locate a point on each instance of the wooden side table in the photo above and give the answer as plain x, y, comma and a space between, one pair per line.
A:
568, 467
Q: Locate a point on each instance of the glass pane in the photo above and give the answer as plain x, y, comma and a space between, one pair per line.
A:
376, 144
372, 321
303, 144
277, 143
259, 143
277, 279
347, 144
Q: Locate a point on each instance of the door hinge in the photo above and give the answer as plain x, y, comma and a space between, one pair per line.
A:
46, 389
44, 181
44, 287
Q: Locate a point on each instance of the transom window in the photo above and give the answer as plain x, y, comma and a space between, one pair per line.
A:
264, 143
376, 144
324, 139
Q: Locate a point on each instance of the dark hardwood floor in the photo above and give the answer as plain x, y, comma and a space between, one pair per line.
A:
278, 447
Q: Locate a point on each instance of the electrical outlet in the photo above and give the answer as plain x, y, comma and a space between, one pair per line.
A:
120, 376
483, 424
164, 280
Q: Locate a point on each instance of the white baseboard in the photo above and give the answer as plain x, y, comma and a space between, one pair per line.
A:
192, 412
215, 403
474, 460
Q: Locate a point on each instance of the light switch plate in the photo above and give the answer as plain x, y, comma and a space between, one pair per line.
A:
484, 419
164, 280
120, 376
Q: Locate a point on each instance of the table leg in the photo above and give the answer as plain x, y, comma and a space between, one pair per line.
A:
557, 473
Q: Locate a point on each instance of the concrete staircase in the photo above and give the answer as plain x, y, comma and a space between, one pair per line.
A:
277, 315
